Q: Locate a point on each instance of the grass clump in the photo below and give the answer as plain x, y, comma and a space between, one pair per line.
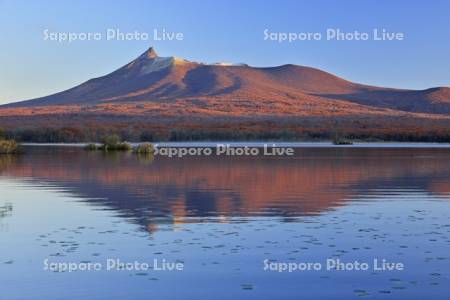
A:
338, 139
342, 142
122, 146
113, 143
145, 148
9, 147
110, 143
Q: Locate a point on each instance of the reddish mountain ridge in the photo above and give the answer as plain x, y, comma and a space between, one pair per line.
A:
169, 89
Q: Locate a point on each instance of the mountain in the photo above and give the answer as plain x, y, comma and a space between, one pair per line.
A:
168, 89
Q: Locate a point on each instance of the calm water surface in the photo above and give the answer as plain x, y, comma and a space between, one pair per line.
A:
222, 217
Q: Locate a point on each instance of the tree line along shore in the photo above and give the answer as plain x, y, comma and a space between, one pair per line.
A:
76, 135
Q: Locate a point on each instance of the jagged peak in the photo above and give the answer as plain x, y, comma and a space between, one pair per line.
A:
149, 62
149, 54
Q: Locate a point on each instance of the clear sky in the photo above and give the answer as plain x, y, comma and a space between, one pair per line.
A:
231, 31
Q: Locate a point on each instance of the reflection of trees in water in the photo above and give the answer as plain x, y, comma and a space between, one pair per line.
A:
6, 210
7, 160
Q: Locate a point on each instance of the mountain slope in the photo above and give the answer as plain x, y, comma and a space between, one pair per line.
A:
159, 94
151, 78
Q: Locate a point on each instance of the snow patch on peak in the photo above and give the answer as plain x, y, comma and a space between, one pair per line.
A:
227, 64
156, 64
222, 64
179, 60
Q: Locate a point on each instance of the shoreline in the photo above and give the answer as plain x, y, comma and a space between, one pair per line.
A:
261, 144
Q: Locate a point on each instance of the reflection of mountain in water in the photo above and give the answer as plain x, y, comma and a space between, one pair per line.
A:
174, 190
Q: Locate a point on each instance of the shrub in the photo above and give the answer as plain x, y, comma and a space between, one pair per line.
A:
111, 140
342, 142
338, 139
145, 148
113, 143
123, 146
9, 147
91, 147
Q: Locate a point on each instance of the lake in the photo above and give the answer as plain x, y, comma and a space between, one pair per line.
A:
326, 223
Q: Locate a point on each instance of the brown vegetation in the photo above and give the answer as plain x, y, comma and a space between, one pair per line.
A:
153, 97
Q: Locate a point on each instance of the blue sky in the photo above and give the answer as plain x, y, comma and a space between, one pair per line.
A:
230, 31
